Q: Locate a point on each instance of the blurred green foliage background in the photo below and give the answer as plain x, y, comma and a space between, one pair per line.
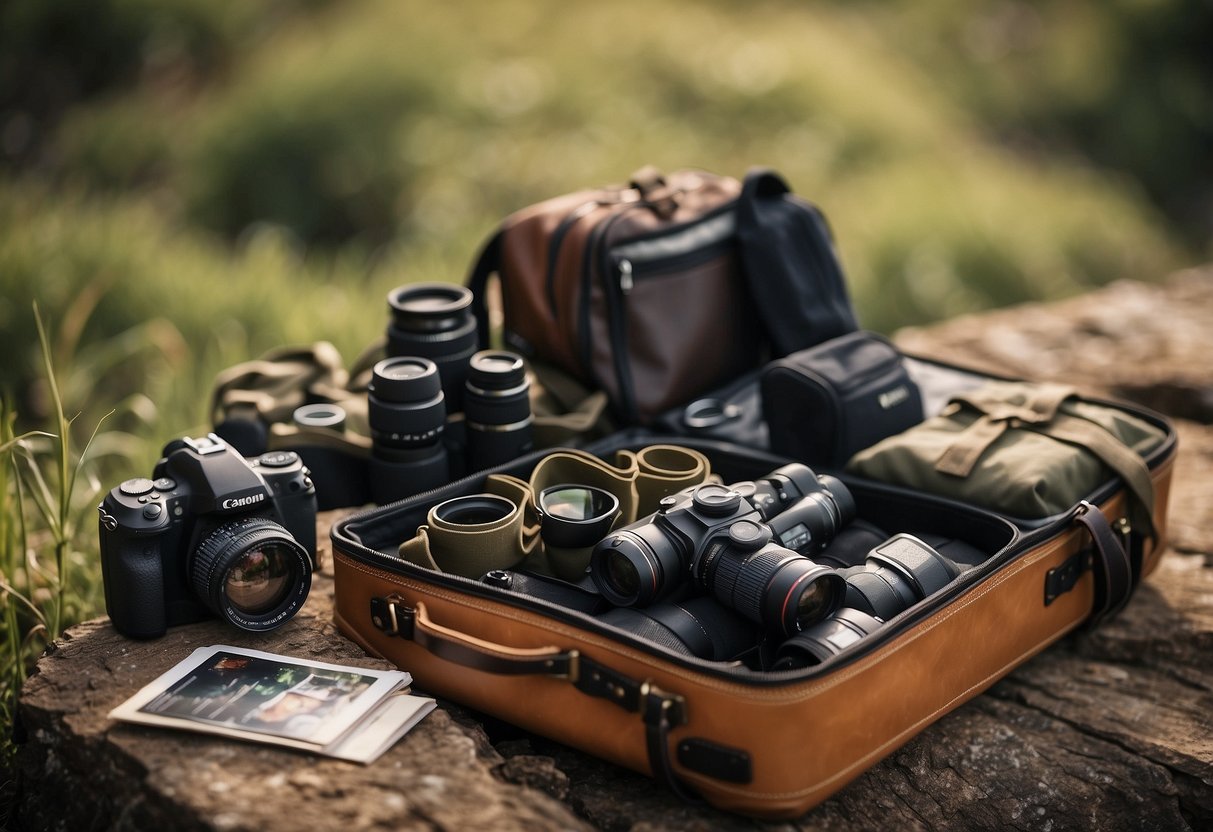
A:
264, 171
185, 184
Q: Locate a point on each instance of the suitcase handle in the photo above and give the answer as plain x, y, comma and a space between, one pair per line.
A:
659, 710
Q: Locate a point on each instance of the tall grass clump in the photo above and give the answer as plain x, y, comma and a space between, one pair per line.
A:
42, 512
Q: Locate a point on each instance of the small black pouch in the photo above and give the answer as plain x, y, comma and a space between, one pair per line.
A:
825, 403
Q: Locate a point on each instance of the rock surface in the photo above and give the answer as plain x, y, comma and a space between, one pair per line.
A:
1108, 730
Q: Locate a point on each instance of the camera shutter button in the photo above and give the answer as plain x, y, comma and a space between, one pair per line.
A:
136, 487
152, 512
278, 459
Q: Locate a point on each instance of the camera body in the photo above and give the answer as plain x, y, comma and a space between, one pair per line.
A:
745, 545
210, 534
646, 561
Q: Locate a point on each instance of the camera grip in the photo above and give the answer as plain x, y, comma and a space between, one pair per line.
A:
134, 587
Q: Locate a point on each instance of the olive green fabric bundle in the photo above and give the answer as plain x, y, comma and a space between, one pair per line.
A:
269, 389
1026, 450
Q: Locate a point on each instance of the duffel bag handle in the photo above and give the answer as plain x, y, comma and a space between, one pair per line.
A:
659, 710
650, 183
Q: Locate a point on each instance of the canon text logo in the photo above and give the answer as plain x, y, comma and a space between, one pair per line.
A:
241, 502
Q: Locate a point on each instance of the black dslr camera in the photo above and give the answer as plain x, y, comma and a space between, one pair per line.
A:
745, 544
210, 534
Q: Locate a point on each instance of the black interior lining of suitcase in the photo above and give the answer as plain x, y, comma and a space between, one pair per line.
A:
892, 509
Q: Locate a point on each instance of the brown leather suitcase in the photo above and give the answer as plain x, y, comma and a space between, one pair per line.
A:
765, 743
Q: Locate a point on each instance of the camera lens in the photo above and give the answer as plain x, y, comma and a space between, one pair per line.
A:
898, 574
766, 582
575, 516
475, 510
824, 639
407, 414
406, 407
695, 627
434, 321
497, 409
251, 572
636, 566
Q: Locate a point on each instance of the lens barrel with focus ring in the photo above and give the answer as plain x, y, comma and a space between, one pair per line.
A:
434, 321
407, 413
496, 409
251, 572
694, 627
767, 583
825, 638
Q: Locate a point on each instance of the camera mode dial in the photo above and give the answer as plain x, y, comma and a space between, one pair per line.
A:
716, 500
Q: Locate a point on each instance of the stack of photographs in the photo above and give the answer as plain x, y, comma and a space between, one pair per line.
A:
339, 711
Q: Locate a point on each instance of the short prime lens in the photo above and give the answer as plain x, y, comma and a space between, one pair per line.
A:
434, 321
637, 565
407, 414
251, 572
497, 409
897, 574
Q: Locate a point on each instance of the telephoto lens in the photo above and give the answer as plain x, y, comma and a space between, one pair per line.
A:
824, 639
434, 321
496, 409
765, 582
407, 414
898, 574
694, 627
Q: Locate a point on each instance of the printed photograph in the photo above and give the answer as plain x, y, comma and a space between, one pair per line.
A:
263, 695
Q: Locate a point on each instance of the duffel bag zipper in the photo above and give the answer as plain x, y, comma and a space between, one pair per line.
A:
629, 269
557, 241
590, 262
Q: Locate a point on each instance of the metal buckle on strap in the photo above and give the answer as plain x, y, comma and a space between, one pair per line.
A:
659, 707
391, 616
573, 673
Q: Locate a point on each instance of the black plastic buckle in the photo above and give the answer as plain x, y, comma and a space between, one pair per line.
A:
1061, 579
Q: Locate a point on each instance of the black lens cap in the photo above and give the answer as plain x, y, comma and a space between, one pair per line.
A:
406, 378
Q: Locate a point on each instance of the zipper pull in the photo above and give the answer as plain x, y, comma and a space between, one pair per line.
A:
625, 276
